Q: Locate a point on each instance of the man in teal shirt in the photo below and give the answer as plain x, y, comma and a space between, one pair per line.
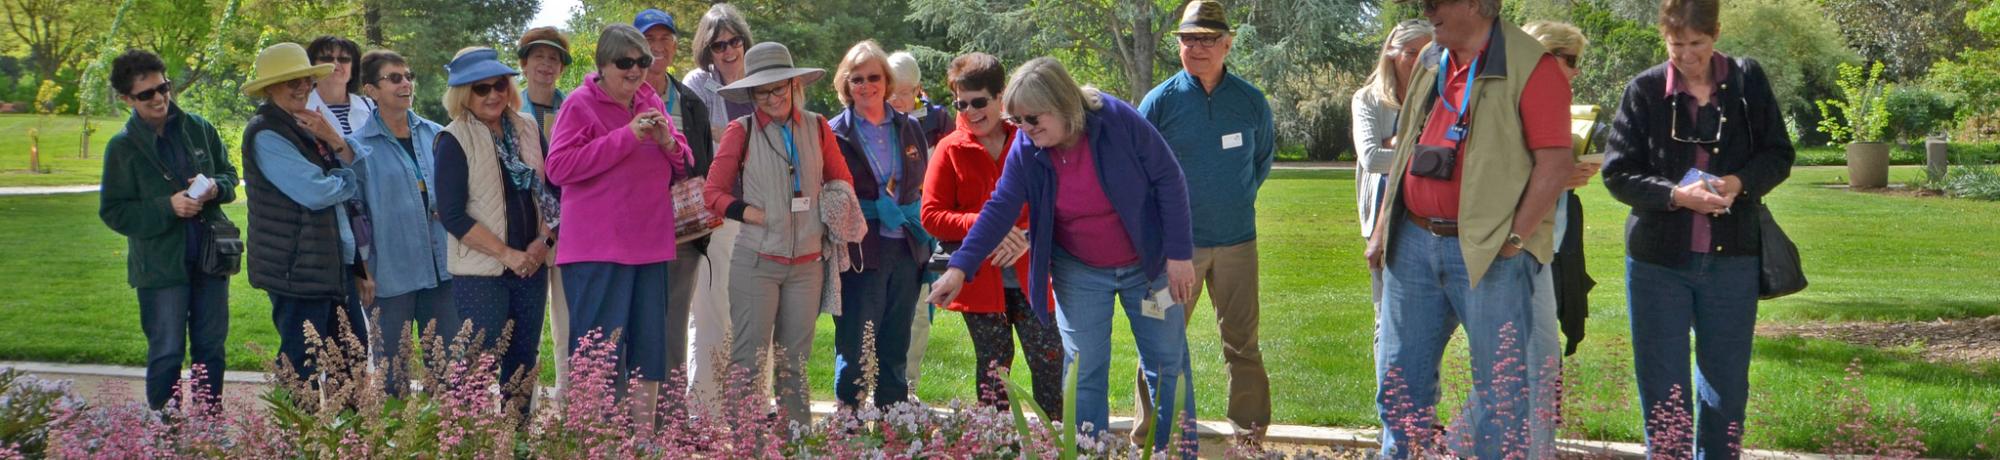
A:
1220, 128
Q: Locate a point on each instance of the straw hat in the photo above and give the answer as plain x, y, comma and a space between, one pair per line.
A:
769, 62
281, 63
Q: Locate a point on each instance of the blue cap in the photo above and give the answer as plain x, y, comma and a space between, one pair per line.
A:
475, 66
654, 17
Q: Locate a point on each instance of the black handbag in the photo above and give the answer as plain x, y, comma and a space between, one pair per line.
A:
1779, 271
222, 251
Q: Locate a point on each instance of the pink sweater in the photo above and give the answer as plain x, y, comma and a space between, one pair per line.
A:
617, 191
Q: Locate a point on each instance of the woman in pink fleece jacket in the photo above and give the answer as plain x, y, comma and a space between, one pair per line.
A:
616, 157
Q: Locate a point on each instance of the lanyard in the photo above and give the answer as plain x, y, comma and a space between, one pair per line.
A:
792, 148
409, 160
672, 98
895, 161
1443, 70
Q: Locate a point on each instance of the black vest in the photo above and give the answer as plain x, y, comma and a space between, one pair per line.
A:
294, 251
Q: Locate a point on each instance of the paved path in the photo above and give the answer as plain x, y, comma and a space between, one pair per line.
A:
12, 191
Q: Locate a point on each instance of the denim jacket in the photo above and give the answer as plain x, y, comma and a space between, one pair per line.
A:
409, 250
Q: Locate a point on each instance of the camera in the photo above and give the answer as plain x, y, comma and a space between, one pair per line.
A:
1434, 162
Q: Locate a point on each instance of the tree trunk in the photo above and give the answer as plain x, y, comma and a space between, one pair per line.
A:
371, 20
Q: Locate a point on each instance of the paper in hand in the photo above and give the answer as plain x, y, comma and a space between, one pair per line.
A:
201, 186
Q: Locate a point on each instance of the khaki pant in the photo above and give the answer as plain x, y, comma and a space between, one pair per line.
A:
1230, 274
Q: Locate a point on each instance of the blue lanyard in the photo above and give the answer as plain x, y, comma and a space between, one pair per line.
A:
409, 159
672, 97
1443, 58
792, 148
895, 161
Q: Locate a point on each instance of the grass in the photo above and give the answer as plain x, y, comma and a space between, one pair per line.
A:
1870, 257
61, 138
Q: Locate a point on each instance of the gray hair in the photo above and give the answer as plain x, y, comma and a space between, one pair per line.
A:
620, 39
1042, 85
719, 18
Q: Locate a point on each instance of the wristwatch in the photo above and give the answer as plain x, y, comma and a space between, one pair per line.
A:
1514, 239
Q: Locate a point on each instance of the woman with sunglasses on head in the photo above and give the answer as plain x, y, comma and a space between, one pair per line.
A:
771, 173
1107, 222
337, 96
408, 259
719, 44
1696, 144
616, 154
887, 151
968, 165
150, 197
300, 178
493, 200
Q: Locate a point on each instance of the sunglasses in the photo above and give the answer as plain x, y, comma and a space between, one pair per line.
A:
294, 84
163, 89
762, 94
1025, 120
859, 79
1203, 41
398, 78
484, 89
1674, 130
725, 45
1568, 59
627, 63
331, 58
976, 103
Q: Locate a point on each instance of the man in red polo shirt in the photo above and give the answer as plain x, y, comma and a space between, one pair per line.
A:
1466, 228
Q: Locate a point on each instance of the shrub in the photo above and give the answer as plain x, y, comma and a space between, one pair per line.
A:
1913, 113
1861, 118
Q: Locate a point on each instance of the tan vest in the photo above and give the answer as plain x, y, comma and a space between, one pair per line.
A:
767, 184
1497, 161
486, 188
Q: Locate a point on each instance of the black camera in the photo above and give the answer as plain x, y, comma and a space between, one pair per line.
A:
1434, 162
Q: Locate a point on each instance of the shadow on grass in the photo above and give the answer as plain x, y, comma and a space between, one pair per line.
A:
1877, 309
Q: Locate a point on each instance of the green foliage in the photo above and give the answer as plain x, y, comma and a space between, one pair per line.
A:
1908, 36
48, 99
1979, 182
1620, 46
1914, 112
1862, 117
1797, 46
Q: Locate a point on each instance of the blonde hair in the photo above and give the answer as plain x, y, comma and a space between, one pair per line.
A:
458, 99
1042, 85
1384, 83
1558, 36
861, 54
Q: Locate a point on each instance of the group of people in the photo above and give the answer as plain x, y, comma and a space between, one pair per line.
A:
705, 223
365, 218
1469, 153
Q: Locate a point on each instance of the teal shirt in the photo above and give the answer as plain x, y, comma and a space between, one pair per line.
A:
1225, 142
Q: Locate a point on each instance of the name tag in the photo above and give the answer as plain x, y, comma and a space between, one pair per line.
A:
1155, 306
801, 204
1232, 140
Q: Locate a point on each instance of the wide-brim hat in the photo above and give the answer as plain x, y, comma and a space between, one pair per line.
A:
281, 63
1203, 17
562, 53
769, 62
475, 66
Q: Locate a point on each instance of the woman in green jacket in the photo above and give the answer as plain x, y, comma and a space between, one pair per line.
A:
150, 195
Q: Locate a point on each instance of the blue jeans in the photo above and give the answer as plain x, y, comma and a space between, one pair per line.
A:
885, 296
629, 301
1084, 296
1716, 297
182, 320
433, 312
291, 315
1426, 295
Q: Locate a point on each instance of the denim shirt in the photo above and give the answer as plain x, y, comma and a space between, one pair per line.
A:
409, 250
302, 181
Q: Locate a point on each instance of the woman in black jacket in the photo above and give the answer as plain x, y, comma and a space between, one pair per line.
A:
1694, 147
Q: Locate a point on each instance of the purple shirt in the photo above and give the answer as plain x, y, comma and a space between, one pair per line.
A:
1086, 224
1701, 236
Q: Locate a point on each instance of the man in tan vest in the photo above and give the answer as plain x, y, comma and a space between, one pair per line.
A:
1466, 226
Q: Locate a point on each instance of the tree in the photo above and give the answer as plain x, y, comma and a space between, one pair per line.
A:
1125, 37
1906, 35
428, 39
56, 32
1798, 47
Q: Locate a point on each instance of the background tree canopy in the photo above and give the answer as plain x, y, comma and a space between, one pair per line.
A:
1307, 55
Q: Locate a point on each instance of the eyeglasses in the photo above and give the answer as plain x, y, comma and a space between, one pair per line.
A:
1568, 59
859, 79
332, 58
1025, 120
725, 45
1674, 130
1203, 41
295, 83
484, 89
976, 103
163, 88
627, 63
398, 78
762, 94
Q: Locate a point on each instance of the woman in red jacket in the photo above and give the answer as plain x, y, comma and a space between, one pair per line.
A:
963, 171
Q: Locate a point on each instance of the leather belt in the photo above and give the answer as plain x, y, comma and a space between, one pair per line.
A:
1439, 227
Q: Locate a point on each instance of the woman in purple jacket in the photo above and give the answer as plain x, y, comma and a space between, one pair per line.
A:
1108, 215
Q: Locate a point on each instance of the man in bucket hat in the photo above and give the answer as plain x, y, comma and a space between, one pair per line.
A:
304, 247
780, 156
1221, 130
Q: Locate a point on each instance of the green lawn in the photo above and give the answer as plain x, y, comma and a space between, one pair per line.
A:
61, 141
1870, 257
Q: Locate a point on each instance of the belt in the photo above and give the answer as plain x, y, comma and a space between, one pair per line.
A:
1439, 227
